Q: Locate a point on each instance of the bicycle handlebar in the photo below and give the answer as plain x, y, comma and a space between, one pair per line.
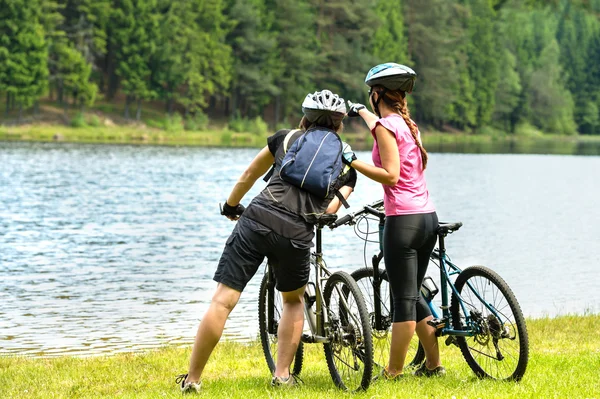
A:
371, 209
343, 220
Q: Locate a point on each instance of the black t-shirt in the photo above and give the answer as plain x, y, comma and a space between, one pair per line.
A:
265, 212
277, 218
274, 141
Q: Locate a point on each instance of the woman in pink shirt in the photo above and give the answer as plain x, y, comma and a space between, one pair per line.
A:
409, 234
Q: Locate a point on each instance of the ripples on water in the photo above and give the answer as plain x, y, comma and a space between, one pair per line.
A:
112, 248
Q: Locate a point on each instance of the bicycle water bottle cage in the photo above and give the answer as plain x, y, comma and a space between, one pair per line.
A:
428, 289
311, 296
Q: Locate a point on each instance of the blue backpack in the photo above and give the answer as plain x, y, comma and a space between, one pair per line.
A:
314, 162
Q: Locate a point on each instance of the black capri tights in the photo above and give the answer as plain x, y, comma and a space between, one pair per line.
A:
408, 241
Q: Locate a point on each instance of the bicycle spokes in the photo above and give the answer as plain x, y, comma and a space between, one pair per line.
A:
349, 350
498, 344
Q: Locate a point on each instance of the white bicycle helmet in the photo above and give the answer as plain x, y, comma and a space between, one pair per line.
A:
392, 76
322, 105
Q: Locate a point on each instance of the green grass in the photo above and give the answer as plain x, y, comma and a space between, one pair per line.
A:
140, 134
564, 363
129, 135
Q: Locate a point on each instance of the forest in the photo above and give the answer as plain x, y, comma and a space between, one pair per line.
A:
481, 64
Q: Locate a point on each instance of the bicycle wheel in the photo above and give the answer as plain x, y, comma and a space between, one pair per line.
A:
349, 352
382, 336
268, 338
500, 347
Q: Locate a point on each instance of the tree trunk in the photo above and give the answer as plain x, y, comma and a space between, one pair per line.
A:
277, 109
7, 102
127, 101
111, 67
138, 114
36, 108
170, 106
20, 113
226, 107
60, 92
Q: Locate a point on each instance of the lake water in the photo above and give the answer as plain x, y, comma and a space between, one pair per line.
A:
108, 248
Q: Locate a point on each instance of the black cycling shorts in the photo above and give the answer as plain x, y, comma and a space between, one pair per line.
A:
408, 240
246, 248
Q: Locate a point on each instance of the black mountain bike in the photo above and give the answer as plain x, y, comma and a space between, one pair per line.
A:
337, 317
479, 312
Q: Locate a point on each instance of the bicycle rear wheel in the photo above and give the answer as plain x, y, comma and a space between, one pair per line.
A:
268, 338
349, 352
382, 334
500, 347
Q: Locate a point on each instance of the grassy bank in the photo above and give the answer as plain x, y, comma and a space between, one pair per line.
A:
129, 135
434, 141
564, 362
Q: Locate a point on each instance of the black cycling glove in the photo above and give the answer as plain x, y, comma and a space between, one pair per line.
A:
232, 211
354, 108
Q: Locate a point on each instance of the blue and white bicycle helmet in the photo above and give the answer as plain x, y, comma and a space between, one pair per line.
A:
324, 105
392, 76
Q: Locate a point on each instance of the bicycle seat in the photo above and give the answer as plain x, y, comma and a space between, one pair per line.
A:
326, 219
444, 229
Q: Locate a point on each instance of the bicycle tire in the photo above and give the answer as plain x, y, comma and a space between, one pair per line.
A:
269, 341
382, 337
349, 352
491, 353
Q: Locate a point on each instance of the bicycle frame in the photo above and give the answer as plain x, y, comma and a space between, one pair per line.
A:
448, 269
317, 327
317, 320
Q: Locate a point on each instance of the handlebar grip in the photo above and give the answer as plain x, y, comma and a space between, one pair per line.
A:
343, 220
374, 212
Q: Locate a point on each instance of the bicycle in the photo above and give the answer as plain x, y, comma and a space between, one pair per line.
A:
483, 317
336, 315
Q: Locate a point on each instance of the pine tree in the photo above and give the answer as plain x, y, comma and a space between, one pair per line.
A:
296, 58
23, 51
482, 59
344, 33
253, 53
389, 40
133, 36
433, 34
551, 103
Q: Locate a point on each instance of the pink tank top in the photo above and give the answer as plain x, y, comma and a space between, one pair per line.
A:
409, 196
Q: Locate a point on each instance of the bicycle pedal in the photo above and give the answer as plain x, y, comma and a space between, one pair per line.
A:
437, 323
451, 340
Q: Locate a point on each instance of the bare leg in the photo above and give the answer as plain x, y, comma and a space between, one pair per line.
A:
402, 333
289, 331
429, 341
211, 328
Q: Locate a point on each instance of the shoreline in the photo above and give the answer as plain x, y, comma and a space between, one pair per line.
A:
566, 346
248, 341
360, 141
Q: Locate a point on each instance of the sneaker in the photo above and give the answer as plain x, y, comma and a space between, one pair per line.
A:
292, 381
188, 387
424, 371
385, 375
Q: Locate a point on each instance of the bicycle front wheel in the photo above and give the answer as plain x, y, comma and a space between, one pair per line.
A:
349, 352
382, 328
267, 326
500, 347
